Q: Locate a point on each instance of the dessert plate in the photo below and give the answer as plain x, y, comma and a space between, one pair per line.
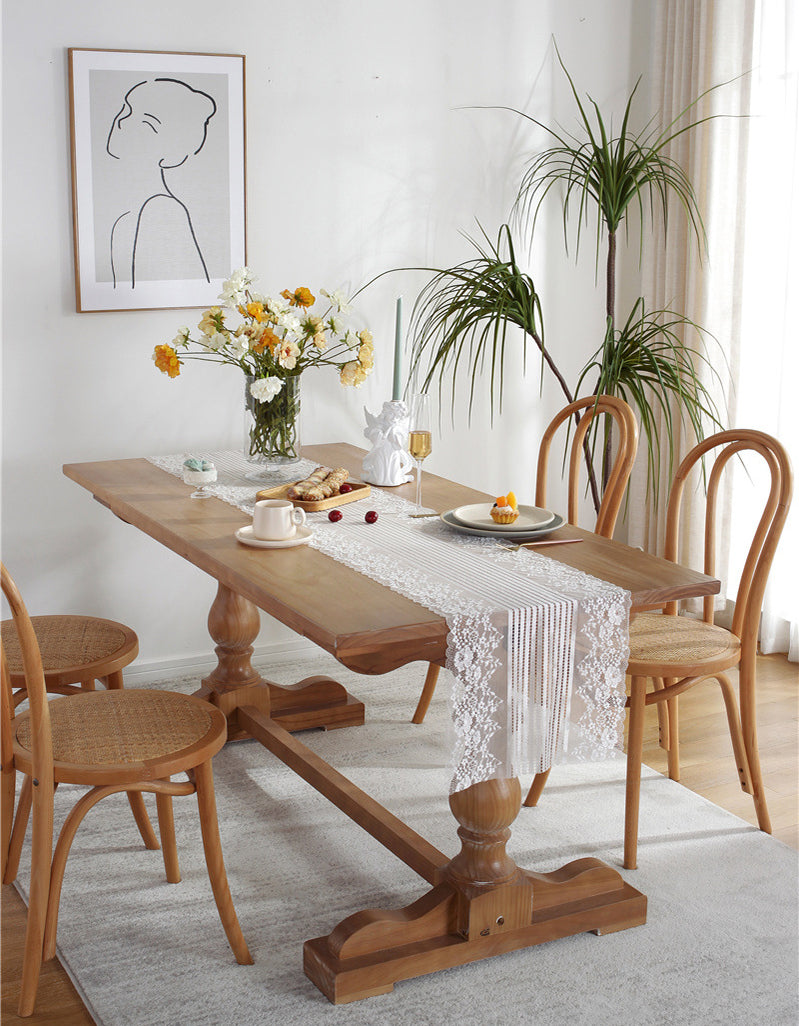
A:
301, 537
530, 518
529, 535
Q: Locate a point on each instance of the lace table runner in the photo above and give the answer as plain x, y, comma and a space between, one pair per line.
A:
538, 649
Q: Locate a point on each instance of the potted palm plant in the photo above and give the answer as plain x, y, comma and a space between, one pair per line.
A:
461, 317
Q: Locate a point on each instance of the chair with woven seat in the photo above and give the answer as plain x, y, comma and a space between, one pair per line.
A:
584, 411
114, 740
77, 652
678, 653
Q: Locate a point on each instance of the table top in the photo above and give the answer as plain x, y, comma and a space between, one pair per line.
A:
363, 624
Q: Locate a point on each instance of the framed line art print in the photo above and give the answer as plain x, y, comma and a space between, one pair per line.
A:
158, 177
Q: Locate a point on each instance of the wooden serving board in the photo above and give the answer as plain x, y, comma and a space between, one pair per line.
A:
359, 491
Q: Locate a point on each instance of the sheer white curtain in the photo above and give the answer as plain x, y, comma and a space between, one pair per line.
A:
745, 168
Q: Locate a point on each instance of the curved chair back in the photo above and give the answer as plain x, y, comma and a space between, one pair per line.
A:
42, 766
626, 448
34, 680
749, 598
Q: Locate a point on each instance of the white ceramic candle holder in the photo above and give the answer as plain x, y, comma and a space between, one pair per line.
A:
389, 462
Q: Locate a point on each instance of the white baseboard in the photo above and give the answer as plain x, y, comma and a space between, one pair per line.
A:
276, 652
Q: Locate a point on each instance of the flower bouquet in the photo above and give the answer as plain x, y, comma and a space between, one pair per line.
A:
273, 341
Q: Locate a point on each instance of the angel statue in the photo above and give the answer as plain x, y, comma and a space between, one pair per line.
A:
388, 462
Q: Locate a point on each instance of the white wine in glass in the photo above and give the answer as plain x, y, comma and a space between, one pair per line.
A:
420, 437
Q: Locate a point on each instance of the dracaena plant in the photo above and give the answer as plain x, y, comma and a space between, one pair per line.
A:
654, 360
650, 361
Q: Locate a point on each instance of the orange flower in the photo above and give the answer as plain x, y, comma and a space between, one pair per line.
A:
299, 297
166, 360
268, 338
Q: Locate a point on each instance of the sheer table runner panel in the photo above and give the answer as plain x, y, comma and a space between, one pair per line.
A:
537, 649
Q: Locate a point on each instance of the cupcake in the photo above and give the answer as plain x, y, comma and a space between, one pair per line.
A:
505, 510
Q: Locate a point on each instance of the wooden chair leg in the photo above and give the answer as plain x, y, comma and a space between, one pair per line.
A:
635, 748
114, 681
9, 797
746, 691
427, 693
209, 825
664, 738
673, 715
88, 684
139, 810
536, 789
736, 734
18, 832
59, 865
41, 853
166, 827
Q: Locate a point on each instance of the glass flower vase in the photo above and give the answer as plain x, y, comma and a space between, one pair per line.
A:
272, 429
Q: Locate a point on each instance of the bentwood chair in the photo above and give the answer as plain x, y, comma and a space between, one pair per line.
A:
677, 653
115, 740
77, 652
625, 447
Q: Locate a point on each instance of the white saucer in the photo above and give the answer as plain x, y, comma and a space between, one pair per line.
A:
301, 537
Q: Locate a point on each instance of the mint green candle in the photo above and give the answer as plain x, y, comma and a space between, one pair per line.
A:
397, 391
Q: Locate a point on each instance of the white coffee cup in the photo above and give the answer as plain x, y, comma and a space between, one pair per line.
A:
276, 519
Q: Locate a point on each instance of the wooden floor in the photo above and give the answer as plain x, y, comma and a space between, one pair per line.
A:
707, 768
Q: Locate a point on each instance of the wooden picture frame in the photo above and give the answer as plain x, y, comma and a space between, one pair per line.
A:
158, 176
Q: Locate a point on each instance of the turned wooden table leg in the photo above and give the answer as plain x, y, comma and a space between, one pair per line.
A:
233, 623
494, 895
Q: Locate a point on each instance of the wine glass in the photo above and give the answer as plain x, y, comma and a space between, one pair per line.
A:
420, 436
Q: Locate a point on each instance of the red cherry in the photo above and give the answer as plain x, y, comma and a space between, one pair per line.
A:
343, 489
335, 515
371, 517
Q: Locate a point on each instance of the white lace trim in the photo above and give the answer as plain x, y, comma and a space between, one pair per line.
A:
538, 650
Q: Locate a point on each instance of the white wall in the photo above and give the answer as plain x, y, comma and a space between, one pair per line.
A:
358, 160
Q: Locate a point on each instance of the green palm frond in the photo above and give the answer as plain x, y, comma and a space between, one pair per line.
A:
461, 317
611, 173
648, 364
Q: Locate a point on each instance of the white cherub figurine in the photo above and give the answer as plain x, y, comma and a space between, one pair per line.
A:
389, 461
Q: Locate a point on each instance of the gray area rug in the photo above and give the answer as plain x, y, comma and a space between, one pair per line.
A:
719, 947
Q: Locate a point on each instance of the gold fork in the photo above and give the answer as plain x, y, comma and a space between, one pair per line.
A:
544, 541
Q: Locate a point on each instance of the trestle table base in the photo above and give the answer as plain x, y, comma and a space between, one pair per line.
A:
480, 903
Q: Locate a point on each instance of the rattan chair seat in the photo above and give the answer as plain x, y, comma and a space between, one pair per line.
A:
133, 731
675, 646
73, 648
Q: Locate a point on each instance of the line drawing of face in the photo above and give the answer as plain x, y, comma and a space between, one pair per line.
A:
163, 119
162, 123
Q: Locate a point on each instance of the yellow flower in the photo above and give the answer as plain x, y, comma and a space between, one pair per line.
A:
366, 350
212, 321
166, 360
299, 297
352, 373
347, 372
256, 311
314, 329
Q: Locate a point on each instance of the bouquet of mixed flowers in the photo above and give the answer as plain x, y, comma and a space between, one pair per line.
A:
274, 340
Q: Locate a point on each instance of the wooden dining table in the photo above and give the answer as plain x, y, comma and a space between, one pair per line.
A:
479, 903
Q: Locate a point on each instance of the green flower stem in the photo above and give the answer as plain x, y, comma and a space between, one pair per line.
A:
274, 428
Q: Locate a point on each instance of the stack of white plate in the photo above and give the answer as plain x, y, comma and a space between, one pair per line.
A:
532, 521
